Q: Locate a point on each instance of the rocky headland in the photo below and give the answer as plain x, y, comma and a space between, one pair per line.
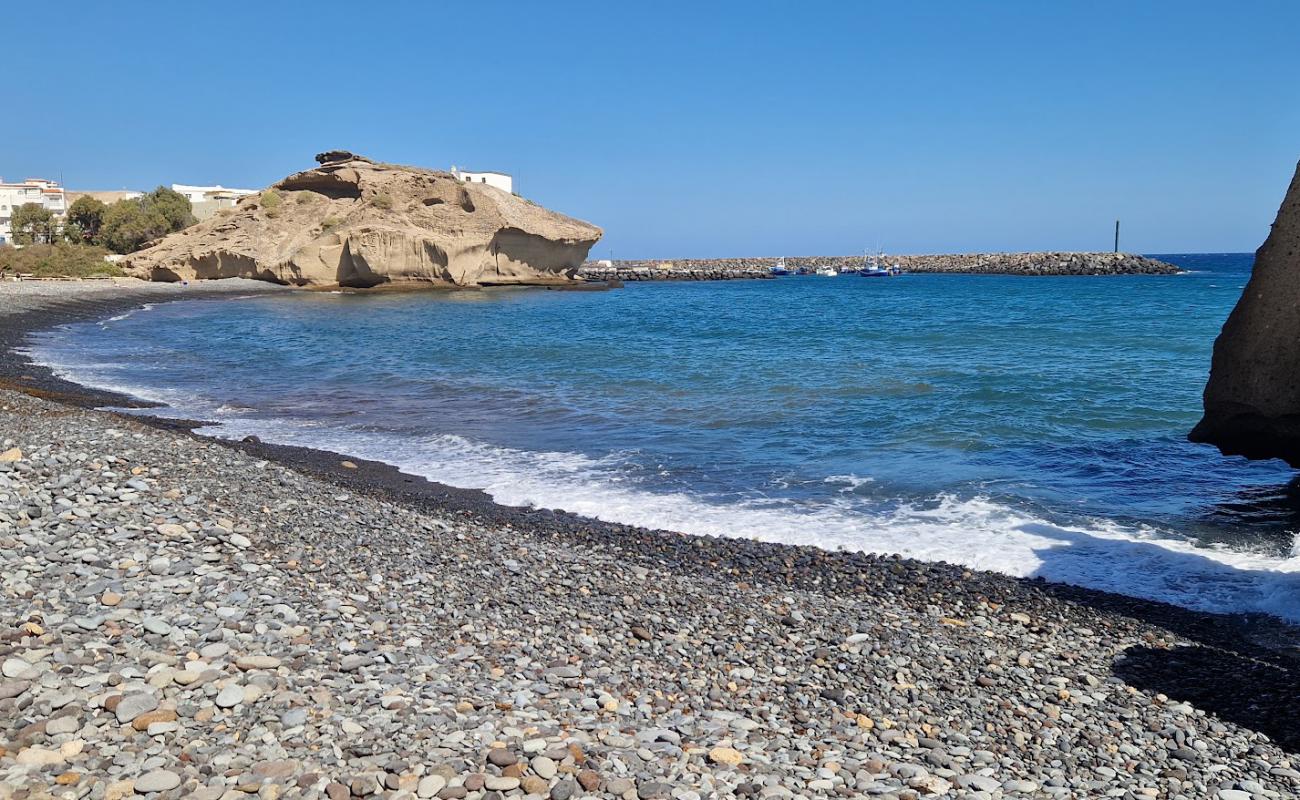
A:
964, 263
188, 618
1252, 399
352, 222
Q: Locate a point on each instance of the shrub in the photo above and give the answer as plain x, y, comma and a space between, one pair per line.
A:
270, 199
56, 261
330, 222
303, 198
128, 225
382, 201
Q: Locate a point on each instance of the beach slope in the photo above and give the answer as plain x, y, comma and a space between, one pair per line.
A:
183, 617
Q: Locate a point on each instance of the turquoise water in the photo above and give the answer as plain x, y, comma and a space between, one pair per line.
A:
1034, 426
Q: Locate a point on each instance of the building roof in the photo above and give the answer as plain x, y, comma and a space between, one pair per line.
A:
185, 187
103, 195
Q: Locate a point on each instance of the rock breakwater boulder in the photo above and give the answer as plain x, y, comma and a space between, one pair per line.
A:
619, 273
1037, 264
353, 222
1252, 399
1040, 263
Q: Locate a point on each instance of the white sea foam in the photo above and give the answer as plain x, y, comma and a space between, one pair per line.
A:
973, 531
125, 314
850, 482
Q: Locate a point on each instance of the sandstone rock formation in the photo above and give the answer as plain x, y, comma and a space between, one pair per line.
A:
1252, 400
352, 222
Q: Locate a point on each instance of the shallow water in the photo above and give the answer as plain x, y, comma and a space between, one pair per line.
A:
1034, 426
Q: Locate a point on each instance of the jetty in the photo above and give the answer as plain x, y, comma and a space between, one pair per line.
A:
1036, 263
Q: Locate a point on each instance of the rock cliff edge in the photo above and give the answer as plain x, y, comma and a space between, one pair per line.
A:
1252, 400
353, 222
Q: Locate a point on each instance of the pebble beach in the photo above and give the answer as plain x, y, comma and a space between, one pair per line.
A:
184, 617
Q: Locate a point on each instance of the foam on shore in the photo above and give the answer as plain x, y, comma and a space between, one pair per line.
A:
1136, 560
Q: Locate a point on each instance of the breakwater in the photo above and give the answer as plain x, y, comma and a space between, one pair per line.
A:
1038, 263
661, 271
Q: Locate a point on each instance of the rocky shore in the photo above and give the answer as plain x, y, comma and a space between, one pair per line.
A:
187, 618
967, 263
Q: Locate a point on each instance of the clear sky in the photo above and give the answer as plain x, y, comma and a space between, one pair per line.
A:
701, 128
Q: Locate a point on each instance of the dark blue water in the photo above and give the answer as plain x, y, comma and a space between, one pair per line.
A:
1027, 425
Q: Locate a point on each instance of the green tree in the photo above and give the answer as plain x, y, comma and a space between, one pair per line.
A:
85, 218
128, 225
174, 206
32, 222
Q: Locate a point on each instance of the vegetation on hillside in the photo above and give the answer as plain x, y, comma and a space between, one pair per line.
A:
271, 203
56, 261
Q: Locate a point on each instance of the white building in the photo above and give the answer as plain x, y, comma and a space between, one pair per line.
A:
206, 201
197, 194
48, 194
500, 180
106, 196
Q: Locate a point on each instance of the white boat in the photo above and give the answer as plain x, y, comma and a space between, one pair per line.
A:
829, 272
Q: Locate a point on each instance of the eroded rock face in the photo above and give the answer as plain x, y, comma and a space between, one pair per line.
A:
352, 222
1252, 401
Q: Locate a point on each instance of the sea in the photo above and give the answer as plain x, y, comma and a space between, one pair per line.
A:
1034, 426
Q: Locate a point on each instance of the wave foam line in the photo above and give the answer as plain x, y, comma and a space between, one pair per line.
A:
1139, 561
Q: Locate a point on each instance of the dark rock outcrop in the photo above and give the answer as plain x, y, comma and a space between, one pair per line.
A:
330, 156
1252, 400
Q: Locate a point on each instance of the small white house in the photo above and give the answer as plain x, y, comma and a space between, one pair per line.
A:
500, 180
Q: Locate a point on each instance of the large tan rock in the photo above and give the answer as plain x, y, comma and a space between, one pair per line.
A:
356, 223
1252, 400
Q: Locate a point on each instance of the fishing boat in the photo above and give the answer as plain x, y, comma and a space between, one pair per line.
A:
829, 272
780, 268
872, 267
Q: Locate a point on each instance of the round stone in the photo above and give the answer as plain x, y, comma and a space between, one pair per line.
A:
501, 757
160, 780
231, 696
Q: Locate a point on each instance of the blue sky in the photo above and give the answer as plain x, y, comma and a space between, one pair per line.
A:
704, 129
